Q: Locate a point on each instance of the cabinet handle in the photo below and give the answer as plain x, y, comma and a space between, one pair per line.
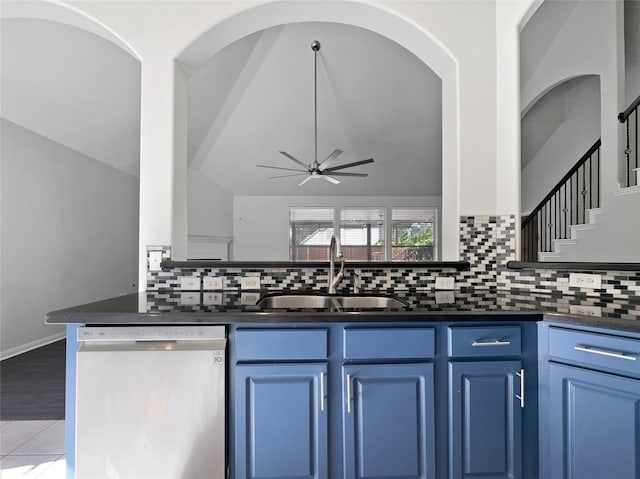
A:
348, 393
322, 390
476, 344
521, 396
587, 349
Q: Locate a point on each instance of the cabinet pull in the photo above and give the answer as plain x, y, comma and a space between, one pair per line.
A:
348, 393
521, 396
587, 349
322, 390
476, 344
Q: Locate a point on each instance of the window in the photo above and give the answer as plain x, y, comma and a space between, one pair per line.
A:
310, 231
413, 234
362, 233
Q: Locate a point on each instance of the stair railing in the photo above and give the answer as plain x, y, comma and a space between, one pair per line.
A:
565, 205
629, 118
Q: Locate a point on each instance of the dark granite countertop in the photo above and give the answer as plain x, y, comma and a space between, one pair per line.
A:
231, 307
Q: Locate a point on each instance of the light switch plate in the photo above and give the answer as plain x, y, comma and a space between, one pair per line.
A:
250, 282
155, 259
581, 280
445, 297
212, 283
190, 283
445, 282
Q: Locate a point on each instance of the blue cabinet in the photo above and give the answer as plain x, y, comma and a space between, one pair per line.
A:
389, 421
485, 419
492, 428
280, 421
590, 419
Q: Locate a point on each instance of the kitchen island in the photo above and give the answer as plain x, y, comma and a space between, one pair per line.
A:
342, 391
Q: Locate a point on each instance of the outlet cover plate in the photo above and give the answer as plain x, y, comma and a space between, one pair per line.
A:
581, 280
445, 282
212, 283
250, 282
190, 283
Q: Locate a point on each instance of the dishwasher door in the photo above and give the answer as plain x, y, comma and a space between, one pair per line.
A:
151, 403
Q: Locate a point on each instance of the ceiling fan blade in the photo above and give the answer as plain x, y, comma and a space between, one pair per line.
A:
331, 180
349, 165
329, 159
294, 159
280, 168
360, 175
286, 176
305, 180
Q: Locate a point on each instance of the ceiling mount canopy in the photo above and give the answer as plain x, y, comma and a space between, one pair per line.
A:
318, 169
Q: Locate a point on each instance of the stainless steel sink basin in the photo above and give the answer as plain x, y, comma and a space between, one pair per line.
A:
320, 301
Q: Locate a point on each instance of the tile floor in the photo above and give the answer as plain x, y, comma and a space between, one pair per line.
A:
32, 450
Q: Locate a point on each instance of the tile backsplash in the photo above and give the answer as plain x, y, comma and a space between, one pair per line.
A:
487, 242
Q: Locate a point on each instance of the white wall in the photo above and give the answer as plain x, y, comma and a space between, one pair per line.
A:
562, 126
585, 42
210, 208
69, 234
261, 223
632, 50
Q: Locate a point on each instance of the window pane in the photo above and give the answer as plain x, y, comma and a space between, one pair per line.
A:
362, 234
310, 231
413, 234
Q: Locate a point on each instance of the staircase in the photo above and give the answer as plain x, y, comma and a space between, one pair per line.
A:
573, 224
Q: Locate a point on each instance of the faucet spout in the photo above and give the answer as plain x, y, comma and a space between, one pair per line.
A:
335, 251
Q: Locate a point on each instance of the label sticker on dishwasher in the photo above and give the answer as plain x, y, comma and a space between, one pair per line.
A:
218, 358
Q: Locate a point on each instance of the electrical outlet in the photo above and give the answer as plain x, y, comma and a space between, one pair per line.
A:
190, 283
445, 297
445, 282
585, 310
250, 282
191, 297
212, 299
155, 259
249, 299
580, 280
212, 283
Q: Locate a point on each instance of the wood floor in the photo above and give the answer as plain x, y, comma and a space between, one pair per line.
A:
32, 384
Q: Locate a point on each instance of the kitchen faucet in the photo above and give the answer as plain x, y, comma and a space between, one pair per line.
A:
335, 251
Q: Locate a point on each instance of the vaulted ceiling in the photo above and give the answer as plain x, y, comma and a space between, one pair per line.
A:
249, 101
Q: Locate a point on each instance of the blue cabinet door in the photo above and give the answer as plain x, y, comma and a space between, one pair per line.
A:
485, 420
594, 423
280, 421
388, 421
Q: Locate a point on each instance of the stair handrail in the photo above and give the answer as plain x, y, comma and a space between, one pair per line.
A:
627, 117
552, 211
564, 179
622, 117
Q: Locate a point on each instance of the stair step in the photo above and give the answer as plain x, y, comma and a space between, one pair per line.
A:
630, 190
545, 256
593, 214
558, 243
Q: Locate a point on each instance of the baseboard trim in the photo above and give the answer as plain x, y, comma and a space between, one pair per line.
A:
38, 343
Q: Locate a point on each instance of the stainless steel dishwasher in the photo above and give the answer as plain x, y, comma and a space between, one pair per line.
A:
150, 402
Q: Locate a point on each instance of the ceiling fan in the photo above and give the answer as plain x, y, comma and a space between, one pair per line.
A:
318, 169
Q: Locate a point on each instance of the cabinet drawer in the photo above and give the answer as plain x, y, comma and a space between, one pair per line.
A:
280, 344
484, 341
389, 343
601, 351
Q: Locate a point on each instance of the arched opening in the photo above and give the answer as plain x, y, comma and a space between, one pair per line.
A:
417, 41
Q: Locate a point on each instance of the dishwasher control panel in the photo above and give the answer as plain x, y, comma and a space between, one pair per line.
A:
150, 333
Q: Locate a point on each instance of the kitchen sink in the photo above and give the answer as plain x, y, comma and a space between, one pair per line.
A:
326, 301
